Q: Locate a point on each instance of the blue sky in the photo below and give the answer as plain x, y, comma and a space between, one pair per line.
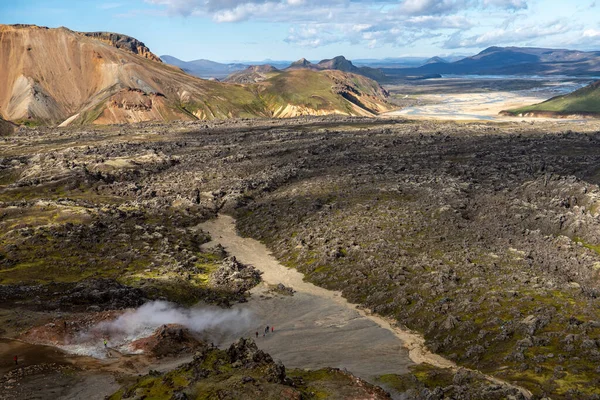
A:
225, 30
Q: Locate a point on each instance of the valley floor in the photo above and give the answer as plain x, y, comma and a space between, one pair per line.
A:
473, 98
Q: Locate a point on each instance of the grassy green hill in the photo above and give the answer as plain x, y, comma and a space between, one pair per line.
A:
585, 101
299, 92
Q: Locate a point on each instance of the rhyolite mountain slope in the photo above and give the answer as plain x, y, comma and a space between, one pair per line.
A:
516, 61
58, 76
582, 102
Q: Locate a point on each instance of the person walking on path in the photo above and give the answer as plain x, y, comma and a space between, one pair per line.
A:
16, 360
272, 329
105, 343
257, 334
267, 329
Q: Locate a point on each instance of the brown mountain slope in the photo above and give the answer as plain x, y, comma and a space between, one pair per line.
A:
57, 76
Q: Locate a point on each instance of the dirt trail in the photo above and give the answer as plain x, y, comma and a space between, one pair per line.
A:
251, 251
366, 352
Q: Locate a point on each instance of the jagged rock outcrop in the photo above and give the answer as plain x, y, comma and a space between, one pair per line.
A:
101, 294
169, 340
245, 372
124, 42
235, 276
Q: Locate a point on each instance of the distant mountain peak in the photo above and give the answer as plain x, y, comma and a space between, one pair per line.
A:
303, 62
340, 62
436, 60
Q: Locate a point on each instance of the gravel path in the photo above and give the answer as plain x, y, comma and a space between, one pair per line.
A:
317, 327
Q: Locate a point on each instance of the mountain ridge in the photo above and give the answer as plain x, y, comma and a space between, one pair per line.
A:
516, 61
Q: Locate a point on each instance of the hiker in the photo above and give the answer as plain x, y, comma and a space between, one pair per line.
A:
257, 334
105, 343
272, 329
267, 329
16, 360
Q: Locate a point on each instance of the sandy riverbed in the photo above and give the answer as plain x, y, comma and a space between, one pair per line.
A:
471, 106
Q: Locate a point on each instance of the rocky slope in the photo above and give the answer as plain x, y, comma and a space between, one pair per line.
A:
245, 372
6, 128
109, 78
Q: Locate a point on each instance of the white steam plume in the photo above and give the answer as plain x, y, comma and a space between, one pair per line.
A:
144, 320
210, 321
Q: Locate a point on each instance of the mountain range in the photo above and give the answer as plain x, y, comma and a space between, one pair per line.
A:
59, 76
491, 61
204, 68
514, 61
211, 69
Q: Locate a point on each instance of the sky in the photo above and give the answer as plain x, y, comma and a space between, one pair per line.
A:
255, 30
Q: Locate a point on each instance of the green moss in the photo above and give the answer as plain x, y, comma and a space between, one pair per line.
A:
30, 123
593, 247
399, 383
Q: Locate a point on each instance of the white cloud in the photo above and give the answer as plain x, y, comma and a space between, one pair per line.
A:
434, 7
373, 23
440, 22
500, 37
591, 33
507, 4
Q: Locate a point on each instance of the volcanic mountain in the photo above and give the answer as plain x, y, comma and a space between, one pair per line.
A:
58, 76
339, 63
